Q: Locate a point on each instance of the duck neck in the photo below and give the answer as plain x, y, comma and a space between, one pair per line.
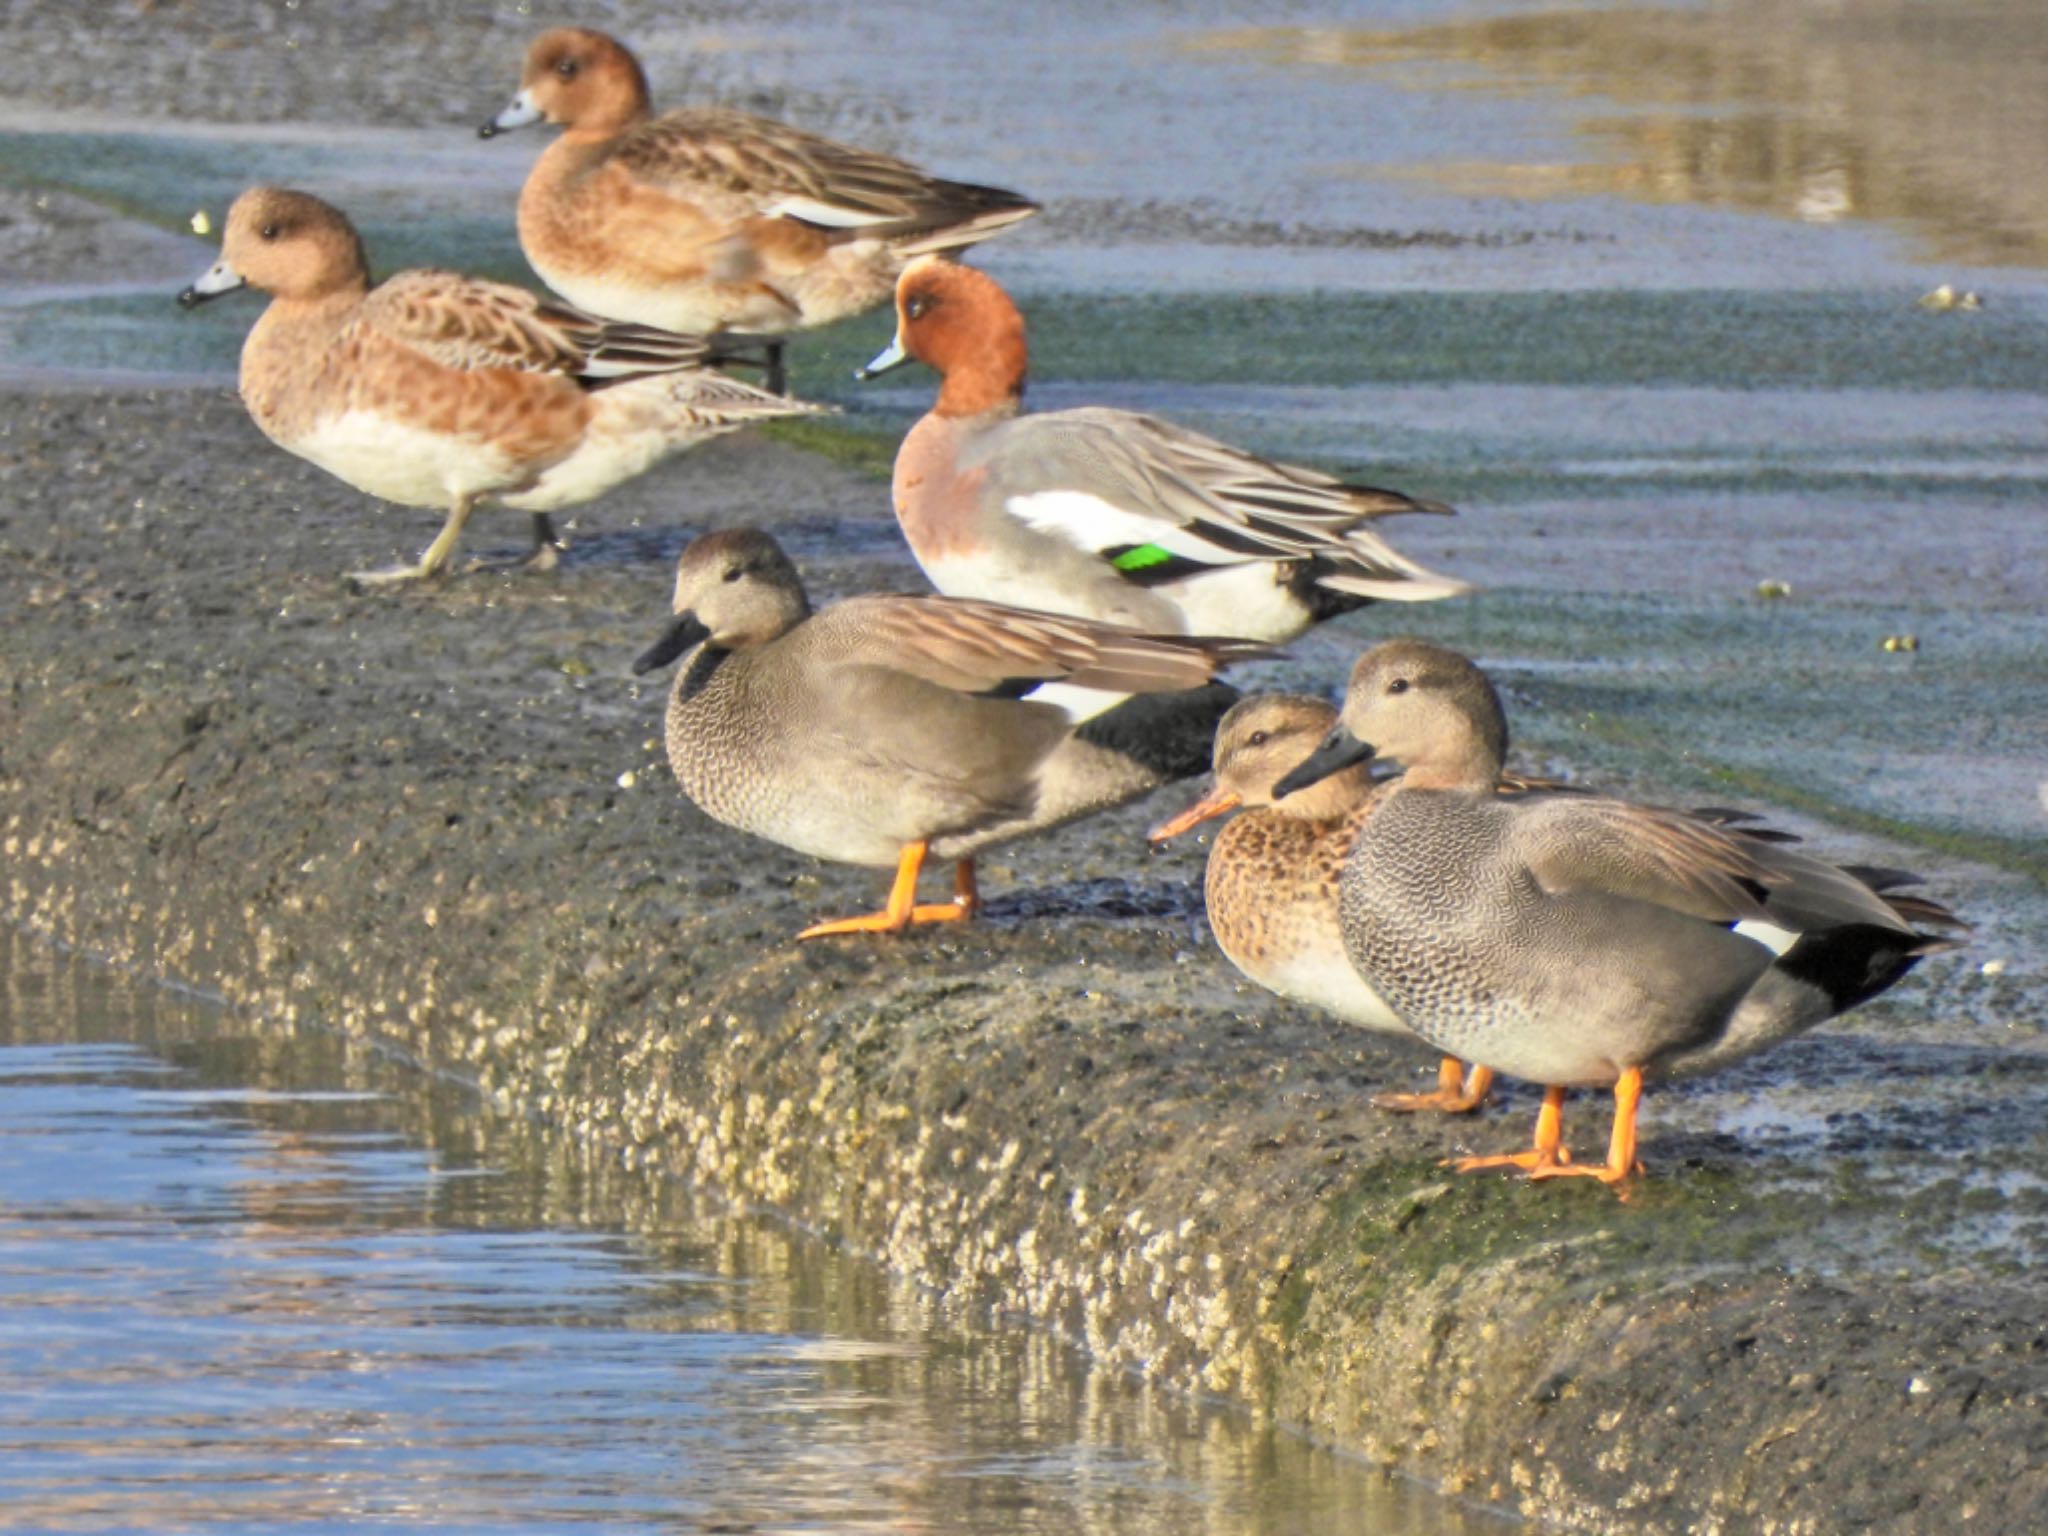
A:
1464, 761
987, 379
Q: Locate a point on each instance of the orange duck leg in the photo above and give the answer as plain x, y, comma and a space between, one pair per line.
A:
1547, 1154
902, 909
1455, 1092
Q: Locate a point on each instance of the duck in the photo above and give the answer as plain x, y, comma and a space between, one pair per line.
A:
1110, 514
885, 729
707, 219
1270, 886
1575, 939
432, 389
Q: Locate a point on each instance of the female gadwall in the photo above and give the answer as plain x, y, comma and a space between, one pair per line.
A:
887, 728
707, 219
1109, 514
1576, 939
1271, 884
437, 390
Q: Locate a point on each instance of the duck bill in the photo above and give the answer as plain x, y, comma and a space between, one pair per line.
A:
1210, 806
216, 280
521, 113
683, 632
888, 360
1340, 749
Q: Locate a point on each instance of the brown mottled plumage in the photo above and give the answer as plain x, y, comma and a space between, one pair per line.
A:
437, 390
1272, 878
708, 218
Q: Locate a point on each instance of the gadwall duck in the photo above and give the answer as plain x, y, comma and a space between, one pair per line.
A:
1113, 515
437, 390
885, 729
707, 218
1576, 939
1271, 883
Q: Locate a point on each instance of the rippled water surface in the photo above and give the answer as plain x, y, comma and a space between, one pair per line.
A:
260, 1280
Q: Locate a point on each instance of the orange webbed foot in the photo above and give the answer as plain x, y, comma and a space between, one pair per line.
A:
1547, 1154
1455, 1093
1621, 1148
903, 911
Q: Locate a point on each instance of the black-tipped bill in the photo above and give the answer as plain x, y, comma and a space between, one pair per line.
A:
683, 632
888, 360
216, 280
1340, 749
519, 114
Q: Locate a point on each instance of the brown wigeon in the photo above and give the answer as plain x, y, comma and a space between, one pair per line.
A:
709, 219
436, 390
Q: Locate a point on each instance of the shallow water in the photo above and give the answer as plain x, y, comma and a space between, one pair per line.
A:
260, 1278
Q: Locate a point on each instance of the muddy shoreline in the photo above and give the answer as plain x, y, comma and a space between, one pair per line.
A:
406, 817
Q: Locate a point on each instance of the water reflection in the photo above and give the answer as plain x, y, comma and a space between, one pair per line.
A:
1928, 114
254, 1276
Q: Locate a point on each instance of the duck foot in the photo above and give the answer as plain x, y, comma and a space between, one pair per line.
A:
1548, 1153
1455, 1093
1621, 1147
902, 910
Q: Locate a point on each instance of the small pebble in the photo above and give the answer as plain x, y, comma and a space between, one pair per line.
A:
202, 223
1902, 642
1774, 589
1991, 968
628, 779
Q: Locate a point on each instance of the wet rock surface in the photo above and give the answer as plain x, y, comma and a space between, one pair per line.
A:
410, 816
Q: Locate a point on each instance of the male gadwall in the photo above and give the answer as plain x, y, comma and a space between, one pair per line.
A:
437, 390
1271, 884
1110, 514
1575, 939
884, 729
709, 219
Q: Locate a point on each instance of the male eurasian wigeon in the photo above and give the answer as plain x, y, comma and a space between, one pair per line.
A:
437, 390
885, 729
1271, 884
709, 219
1110, 514
1575, 939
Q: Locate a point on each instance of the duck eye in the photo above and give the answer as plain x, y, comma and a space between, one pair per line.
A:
566, 68
917, 306
268, 231
1258, 738
735, 573
1398, 685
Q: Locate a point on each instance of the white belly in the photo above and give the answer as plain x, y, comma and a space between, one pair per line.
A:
396, 462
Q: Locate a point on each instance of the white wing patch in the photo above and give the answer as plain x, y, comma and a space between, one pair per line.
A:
827, 214
1777, 940
1091, 523
1079, 703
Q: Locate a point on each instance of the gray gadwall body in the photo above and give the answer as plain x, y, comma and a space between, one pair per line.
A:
437, 390
1575, 939
1272, 876
1112, 515
884, 729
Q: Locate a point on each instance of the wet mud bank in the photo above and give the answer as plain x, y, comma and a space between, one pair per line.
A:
438, 820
